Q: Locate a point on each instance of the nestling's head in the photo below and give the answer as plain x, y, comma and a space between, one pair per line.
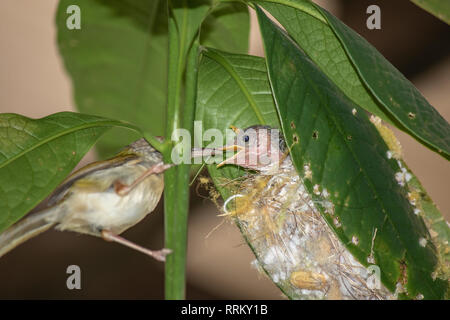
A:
258, 148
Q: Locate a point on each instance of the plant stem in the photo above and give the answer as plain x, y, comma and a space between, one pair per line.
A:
176, 195
191, 86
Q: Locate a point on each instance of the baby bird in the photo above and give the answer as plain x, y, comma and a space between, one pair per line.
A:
102, 199
280, 219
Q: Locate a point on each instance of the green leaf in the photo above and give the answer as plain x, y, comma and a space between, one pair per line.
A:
348, 157
310, 30
438, 8
188, 16
118, 59
37, 154
361, 72
423, 204
117, 62
227, 27
436, 223
233, 89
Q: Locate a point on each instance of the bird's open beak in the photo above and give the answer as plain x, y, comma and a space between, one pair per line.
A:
233, 147
235, 129
201, 152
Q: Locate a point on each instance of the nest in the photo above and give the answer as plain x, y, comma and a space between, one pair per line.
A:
292, 241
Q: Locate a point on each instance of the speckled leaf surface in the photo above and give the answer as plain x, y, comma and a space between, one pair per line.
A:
436, 223
37, 154
361, 72
118, 59
347, 156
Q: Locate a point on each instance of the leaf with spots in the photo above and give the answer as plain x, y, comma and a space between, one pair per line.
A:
37, 154
361, 72
348, 157
436, 223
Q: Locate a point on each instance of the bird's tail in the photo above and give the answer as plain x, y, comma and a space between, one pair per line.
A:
25, 229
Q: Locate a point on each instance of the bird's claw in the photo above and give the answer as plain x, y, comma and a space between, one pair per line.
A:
160, 255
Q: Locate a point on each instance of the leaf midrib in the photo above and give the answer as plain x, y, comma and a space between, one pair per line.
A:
369, 180
210, 53
404, 125
63, 133
298, 6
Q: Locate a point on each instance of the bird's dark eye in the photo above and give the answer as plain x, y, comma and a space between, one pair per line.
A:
246, 138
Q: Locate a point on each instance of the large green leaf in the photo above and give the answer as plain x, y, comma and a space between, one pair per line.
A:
361, 72
349, 158
188, 16
227, 28
118, 59
438, 8
117, 62
37, 154
233, 89
436, 223
423, 204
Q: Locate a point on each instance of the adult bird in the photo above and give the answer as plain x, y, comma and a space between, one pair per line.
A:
102, 199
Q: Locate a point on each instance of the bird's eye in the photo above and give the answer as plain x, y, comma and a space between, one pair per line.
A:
246, 138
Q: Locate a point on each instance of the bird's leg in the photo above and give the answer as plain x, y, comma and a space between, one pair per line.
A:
159, 255
123, 189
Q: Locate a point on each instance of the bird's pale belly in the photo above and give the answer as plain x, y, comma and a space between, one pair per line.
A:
86, 212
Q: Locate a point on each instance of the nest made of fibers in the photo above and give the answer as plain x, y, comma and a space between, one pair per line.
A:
292, 241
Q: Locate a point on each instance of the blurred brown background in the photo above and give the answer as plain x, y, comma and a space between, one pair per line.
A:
34, 83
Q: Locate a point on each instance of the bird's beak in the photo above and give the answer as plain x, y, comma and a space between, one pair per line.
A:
200, 152
235, 129
233, 147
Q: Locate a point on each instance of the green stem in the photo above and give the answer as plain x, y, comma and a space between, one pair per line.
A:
176, 194
158, 145
191, 86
